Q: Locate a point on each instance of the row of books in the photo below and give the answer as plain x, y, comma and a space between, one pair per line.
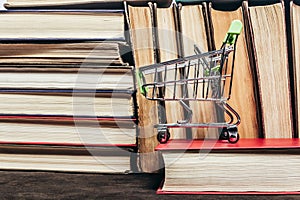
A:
66, 87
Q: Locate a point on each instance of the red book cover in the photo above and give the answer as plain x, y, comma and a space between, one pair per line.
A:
217, 145
160, 191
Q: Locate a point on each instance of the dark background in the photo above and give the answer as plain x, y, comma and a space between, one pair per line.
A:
51, 185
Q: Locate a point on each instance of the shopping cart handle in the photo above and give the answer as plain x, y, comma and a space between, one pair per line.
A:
140, 82
234, 30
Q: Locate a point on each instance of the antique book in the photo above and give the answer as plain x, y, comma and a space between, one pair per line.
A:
68, 159
193, 23
271, 64
295, 19
242, 97
141, 35
251, 166
62, 25
86, 77
167, 44
39, 102
62, 53
21, 130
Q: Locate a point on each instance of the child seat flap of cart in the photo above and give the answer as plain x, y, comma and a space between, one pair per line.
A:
202, 77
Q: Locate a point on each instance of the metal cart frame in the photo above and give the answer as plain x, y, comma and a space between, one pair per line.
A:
202, 77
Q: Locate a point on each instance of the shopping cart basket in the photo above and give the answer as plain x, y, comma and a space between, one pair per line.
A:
202, 77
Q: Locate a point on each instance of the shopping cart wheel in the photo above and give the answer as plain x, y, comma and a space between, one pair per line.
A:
163, 135
230, 134
233, 135
224, 134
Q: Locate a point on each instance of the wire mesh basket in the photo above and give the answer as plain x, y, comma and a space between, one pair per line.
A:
202, 77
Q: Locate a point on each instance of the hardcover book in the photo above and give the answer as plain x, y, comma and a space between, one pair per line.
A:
62, 25
251, 166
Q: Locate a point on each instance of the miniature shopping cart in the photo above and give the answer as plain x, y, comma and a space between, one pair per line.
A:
202, 77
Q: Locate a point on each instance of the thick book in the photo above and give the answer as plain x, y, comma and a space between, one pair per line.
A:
168, 49
141, 36
62, 25
39, 102
271, 64
295, 33
251, 166
30, 130
56, 77
194, 31
68, 159
64, 54
243, 96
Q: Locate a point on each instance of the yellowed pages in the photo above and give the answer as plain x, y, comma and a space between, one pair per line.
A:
81, 134
295, 20
260, 172
242, 96
62, 25
65, 163
142, 43
169, 51
193, 32
60, 53
269, 37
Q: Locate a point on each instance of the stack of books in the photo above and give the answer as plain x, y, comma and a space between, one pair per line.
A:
66, 89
